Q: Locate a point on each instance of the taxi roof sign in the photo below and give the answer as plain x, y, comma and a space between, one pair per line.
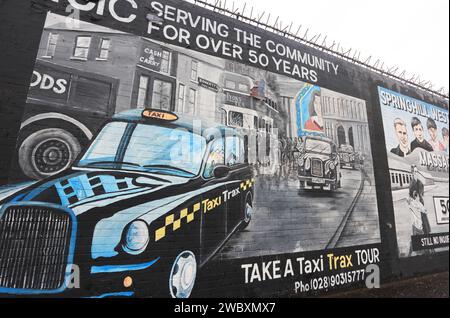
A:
159, 115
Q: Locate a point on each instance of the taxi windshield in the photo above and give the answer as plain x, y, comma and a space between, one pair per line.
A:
148, 148
318, 146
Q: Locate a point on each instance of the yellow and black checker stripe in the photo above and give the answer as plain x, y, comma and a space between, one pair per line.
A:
175, 221
248, 184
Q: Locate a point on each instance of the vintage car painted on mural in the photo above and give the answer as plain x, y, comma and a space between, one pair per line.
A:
151, 200
318, 164
64, 109
349, 158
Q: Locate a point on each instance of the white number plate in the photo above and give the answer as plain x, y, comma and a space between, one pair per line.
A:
318, 180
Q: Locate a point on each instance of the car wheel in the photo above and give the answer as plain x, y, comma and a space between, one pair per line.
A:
47, 152
182, 275
248, 212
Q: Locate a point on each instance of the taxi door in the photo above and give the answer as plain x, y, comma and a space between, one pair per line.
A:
239, 174
214, 207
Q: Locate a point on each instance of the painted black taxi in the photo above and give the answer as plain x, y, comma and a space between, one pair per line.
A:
319, 164
349, 158
153, 198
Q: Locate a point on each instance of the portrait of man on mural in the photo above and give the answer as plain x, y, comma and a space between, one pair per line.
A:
445, 137
433, 131
420, 141
403, 149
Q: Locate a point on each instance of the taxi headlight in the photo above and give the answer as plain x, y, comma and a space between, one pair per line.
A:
308, 163
332, 166
136, 237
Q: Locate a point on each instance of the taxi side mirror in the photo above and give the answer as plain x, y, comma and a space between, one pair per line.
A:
221, 172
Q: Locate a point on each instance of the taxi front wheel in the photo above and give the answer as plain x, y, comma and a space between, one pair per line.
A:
182, 275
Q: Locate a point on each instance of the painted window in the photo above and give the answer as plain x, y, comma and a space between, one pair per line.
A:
262, 124
216, 158
162, 95
234, 151
105, 46
236, 119
271, 103
230, 84
231, 67
244, 88
142, 93
223, 117
82, 45
51, 45
194, 71
181, 97
192, 104
165, 63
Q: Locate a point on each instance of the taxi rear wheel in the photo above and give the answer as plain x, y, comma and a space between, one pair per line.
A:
183, 275
248, 212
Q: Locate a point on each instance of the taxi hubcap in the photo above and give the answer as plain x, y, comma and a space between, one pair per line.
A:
183, 274
248, 212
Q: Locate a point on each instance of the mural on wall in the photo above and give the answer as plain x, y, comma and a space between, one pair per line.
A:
417, 144
142, 163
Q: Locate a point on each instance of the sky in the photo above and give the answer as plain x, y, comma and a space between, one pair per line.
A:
410, 34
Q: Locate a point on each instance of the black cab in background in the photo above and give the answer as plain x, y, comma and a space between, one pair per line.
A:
319, 164
349, 158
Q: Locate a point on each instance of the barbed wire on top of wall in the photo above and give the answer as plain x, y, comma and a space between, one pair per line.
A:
301, 34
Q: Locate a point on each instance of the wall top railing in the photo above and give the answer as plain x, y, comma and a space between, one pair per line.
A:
319, 42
